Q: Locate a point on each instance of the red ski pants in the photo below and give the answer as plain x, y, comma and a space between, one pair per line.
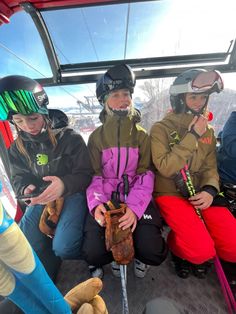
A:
193, 240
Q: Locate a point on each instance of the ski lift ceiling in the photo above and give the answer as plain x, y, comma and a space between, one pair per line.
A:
156, 38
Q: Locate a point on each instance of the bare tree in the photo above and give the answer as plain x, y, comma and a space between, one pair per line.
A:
157, 102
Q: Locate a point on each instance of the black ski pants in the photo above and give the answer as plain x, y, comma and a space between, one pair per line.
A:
149, 245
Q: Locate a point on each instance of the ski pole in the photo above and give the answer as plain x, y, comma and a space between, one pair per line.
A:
227, 292
123, 268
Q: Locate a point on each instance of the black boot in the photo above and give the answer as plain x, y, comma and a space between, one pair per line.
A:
200, 270
230, 272
182, 267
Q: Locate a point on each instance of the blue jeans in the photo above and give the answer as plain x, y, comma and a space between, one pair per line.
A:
69, 232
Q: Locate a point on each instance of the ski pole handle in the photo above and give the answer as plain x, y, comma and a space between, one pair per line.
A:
126, 184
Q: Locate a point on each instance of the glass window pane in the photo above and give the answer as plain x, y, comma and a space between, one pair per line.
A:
151, 97
142, 29
80, 104
21, 49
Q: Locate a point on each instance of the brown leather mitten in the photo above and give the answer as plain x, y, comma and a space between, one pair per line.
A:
50, 216
119, 241
99, 306
83, 293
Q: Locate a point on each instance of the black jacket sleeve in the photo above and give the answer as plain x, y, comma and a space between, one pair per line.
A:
21, 173
80, 174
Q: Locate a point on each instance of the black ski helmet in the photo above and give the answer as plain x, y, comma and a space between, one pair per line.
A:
194, 81
21, 94
118, 77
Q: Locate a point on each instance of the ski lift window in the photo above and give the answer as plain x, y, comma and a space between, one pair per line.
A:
21, 49
141, 29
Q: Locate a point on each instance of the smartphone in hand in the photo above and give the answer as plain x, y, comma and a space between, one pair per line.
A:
30, 195
36, 192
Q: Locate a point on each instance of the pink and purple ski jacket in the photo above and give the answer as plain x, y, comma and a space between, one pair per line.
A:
120, 146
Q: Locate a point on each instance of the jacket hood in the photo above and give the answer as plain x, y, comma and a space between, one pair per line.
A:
135, 115
58, 118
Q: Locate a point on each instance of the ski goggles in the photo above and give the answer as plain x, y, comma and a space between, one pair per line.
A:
204, 82
207, 81
111, 85
21, 102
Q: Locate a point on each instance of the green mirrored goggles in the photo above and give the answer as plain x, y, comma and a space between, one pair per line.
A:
20, 101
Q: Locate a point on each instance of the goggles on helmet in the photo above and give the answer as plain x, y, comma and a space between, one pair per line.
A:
208, 82
111, 85
21, 102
